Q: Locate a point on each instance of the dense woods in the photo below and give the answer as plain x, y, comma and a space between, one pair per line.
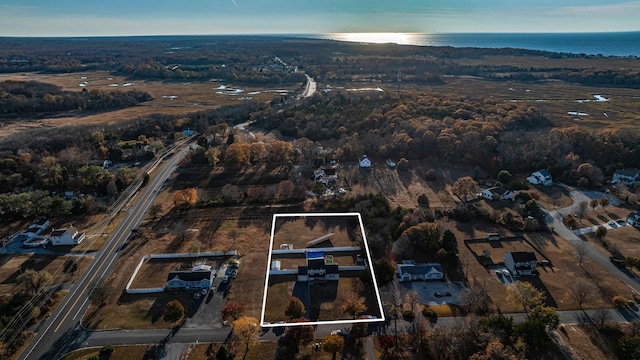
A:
29, 97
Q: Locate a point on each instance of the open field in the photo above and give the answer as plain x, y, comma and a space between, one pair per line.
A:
498, 249
299, 231
10, 269
173, 98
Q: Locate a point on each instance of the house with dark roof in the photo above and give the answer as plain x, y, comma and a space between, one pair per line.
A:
319, 268
629, 177
633, 219
520, 263
69, 236
541, 177
410, 271
199, 277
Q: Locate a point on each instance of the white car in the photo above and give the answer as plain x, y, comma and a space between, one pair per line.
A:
506, 273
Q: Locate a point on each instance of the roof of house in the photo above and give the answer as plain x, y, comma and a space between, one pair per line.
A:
58, 232
626, 172
544, 173
523, 256
419, 269
500, 190
189, 275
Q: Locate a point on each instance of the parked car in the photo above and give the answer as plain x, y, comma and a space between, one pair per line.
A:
340, 332
617, 262
506, 273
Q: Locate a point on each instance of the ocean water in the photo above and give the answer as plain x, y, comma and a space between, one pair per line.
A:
607, 43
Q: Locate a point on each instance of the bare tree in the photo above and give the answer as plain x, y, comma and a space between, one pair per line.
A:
601, 316
581, 252
604, 202
582, 209
581, 291
412, 299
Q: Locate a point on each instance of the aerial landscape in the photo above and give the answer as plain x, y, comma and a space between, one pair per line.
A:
249, 180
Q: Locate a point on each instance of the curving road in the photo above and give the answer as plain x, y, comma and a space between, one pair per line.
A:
62, 331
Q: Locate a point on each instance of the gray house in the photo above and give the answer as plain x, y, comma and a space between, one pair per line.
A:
200, 277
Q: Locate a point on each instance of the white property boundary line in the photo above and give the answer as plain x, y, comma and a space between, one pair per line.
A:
314, 323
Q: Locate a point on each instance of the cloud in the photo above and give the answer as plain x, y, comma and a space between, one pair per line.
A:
625, 8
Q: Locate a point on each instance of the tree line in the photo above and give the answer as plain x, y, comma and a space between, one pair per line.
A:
29, 97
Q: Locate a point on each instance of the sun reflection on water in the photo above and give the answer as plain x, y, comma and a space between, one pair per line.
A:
377, 38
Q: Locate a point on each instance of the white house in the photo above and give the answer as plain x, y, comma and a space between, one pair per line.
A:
520, 262
199, 277
541, 177
497, 193
69, 236
365, 162
319, 268
408, 271
627, 177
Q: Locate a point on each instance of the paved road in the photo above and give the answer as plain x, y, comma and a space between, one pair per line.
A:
62, 331
310, 88
554, 219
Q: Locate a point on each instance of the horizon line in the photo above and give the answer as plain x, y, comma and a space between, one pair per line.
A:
294, 34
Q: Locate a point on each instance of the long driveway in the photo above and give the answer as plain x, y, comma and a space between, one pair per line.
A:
554, 220
62, 331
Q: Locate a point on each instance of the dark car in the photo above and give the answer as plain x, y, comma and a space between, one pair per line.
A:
616, 261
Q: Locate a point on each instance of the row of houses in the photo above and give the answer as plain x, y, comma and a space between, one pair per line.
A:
33, 235
519, 263
629, 177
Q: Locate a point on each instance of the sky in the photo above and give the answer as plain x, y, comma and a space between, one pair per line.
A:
185, 17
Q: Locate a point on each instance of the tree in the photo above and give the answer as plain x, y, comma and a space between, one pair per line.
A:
237, 154
247, 330
223, 353
295, 308
463, 187
604, 202
33, 280
334, 344
384, 271
424, 236
386, 343
581, 252
299, 334
582, 209
185, 198
173, 311
232, 310
504, 176
155, 210
594, 204
213, 156
581, 291
601, 232
449, 242
353, 305
495, 351
100, 293
524, 294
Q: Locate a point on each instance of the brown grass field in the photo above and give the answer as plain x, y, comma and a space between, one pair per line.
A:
122, 352
10, 269
191, 97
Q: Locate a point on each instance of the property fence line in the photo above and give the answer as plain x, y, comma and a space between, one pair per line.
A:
128, 288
